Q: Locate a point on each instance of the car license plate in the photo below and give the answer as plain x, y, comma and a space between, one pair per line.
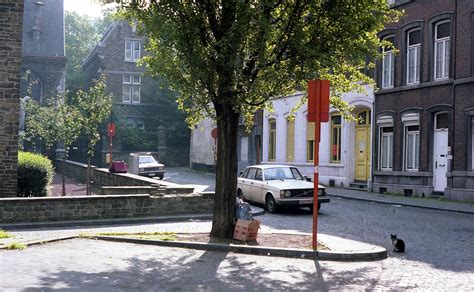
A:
302, 202
151, 174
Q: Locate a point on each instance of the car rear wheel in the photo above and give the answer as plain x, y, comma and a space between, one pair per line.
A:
270, 204
240, 195
161, 176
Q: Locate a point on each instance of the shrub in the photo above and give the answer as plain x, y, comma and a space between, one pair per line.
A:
35, 173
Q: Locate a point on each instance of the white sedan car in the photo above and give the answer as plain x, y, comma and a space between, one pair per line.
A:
278, 185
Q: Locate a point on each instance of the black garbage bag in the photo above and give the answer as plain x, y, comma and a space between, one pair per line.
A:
243, 211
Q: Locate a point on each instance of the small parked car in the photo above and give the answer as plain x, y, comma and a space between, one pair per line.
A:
278, 185
148, 166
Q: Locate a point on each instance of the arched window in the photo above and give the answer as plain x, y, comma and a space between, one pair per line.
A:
388, 65
413, 56
290, 140
336, 122
272, 140
442, 39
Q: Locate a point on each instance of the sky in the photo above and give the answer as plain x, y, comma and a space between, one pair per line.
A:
91, 8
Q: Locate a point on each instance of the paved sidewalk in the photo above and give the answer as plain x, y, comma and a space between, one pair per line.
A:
341, 249
425, 203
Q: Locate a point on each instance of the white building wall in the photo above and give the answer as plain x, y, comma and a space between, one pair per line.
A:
202, 143
342, 173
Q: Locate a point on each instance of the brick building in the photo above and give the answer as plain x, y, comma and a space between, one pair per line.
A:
11, 19
144, 109
424, 109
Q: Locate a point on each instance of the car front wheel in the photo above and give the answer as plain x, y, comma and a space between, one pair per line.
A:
311, 207
270, 204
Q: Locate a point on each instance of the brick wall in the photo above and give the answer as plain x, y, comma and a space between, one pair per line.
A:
16, 210
11, 19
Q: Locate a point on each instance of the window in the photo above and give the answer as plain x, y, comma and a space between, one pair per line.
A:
290, 140
244, 148
336, 138
412, 147
413, 56
310, 141
441, 121
259, 174
272, 140
132, 50
251, 173
139, 124
131, 88
386, 148
388, 66
441, 50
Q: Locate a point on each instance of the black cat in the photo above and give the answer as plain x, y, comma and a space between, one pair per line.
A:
397, 243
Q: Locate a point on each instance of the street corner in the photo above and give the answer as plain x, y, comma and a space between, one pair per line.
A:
343, 249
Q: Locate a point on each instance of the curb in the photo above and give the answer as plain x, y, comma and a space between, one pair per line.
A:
118, 221
374, 255
38, 242
401, 204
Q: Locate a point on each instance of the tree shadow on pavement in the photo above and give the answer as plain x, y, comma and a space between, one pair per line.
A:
171, 269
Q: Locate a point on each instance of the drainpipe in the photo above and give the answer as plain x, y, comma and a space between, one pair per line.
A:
372, 131
454, 90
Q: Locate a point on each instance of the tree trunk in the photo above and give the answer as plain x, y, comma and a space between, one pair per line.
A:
88, 177
226, 172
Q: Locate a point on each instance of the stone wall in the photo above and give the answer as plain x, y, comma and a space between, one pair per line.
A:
102, 177
11, 19
17, 210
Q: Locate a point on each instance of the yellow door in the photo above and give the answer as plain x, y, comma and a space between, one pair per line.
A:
362, 146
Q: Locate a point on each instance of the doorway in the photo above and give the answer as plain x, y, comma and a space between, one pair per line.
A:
362, 145
440, 152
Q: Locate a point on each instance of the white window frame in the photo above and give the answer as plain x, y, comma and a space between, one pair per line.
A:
389, 146
416, 49
445, 59
132, 50
385, 122
388, 68
131, 88
415, 151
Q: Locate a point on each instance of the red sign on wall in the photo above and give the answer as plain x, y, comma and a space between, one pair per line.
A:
111, 129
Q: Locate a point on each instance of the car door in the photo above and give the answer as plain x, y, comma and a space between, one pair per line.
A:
257, 187
247, 182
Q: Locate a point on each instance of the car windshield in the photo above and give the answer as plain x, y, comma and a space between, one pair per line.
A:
282, 173
146, 159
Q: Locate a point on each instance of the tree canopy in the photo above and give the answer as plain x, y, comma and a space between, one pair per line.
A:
81, 34
237, 55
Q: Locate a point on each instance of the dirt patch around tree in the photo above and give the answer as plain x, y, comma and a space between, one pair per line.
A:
278, 240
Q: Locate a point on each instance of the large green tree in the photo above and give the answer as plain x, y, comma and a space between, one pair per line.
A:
229, 58
81, 34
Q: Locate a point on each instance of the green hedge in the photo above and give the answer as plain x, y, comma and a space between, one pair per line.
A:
35, 174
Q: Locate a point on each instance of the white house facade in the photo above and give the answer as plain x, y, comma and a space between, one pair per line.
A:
345, 148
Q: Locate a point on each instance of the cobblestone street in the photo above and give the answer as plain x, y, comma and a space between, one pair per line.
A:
439, 255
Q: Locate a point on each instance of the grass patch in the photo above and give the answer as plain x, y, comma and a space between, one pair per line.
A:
168, 236
84, 235
16, 245
4, 234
